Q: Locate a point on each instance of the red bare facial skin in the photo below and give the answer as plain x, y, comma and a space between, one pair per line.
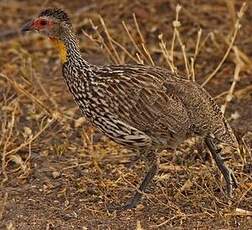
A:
41, 23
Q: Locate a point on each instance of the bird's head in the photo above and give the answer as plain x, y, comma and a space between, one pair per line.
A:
55, 24
50, 22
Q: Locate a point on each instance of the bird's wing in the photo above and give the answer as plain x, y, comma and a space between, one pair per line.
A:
136, 95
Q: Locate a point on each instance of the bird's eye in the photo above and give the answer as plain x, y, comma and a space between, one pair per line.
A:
43, 22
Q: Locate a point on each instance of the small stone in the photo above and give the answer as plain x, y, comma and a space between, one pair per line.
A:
140, 207
236, 115
55, 174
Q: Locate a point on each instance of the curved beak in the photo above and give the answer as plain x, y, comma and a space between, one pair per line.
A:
28, 26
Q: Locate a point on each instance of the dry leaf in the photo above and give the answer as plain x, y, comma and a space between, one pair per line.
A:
187, 185
138, 226
243, 212
169, 167
79, 122
18, 160
27, 132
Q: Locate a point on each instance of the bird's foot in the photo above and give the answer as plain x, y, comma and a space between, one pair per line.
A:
153, 161
132, 203
231, 181
227, 173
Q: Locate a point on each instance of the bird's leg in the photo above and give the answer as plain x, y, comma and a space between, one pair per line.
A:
152, 161
220, 162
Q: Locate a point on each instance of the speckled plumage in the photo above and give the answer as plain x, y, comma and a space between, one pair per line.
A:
150, 103
141, 107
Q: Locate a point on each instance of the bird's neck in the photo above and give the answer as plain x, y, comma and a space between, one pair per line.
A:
61, 48
68, 48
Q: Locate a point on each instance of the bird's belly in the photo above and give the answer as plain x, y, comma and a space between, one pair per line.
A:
128, 136
123, 133
167, 141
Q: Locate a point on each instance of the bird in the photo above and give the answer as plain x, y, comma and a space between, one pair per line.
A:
147, 109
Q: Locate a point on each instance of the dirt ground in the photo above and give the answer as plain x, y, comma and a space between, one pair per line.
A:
57, 172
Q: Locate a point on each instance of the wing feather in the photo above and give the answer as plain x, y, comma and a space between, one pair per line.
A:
137, 97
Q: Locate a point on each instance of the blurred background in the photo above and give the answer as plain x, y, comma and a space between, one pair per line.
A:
58, 172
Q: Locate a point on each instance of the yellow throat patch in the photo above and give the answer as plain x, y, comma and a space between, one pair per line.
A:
60, 46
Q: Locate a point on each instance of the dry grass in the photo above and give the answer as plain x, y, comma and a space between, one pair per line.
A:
58, 171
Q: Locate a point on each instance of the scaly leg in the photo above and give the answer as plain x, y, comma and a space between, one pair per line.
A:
220, 162
152, 161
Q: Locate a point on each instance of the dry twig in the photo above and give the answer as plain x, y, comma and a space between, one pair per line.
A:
233, 38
